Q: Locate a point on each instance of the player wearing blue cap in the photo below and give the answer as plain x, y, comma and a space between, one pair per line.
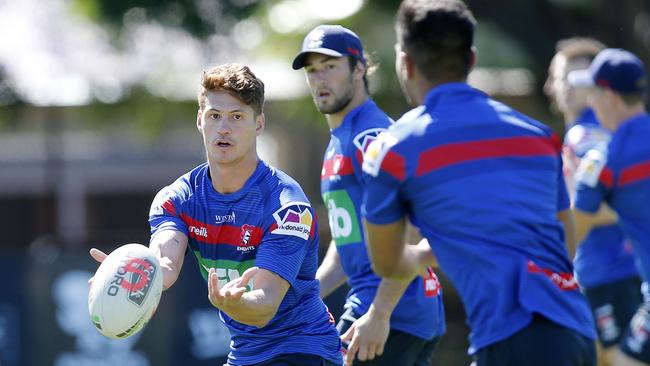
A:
604, 262
619, 173
252, 231
484, 185
387, 322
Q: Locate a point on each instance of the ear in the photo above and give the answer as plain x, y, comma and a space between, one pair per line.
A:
408, 66
260, 122
359, 70
473, 58
199, 117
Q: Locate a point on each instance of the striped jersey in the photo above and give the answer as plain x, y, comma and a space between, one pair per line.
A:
484, 185
620, 176
420, 311
604, 256
268, 223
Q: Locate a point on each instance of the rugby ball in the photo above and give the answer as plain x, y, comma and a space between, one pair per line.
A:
125, 291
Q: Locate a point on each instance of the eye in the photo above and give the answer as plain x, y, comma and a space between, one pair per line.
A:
214, 116
237, 117
330, 66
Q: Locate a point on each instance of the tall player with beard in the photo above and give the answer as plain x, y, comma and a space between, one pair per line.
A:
387, 322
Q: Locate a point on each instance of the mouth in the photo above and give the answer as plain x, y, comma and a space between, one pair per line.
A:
223, 143
322, 94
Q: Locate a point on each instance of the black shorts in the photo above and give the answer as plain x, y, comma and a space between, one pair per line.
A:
296, 359
541, 343
613, 306
401, 348
636, 341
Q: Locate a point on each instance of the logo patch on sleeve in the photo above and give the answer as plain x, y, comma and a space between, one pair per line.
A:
294, 219
590, 168
376, 152
161, 202
363, 139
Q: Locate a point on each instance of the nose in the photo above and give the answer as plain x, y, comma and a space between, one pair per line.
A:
223, 128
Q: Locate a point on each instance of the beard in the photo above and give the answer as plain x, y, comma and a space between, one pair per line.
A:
340, 103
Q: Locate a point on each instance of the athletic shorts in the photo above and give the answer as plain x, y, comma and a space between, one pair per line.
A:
541, 343
401, 348
636, 341
296, 359
613, 306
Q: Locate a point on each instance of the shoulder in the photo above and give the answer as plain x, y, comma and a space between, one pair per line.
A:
280, 188
179, 191
390, 146
368, 125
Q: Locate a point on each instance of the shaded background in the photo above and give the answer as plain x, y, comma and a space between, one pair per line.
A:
97, 113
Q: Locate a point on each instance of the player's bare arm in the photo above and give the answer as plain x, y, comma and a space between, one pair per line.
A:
330, 273
256, 307
367, 335
568, 220
169, 246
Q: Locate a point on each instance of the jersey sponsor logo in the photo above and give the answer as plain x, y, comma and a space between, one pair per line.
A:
590, 168
432, 284
343, 219
225, 275
220, 219
198, 231
293, 219
363, 139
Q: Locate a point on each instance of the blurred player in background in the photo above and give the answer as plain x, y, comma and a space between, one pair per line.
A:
604, 262
619, 173
387, 322
252, 231
484, 185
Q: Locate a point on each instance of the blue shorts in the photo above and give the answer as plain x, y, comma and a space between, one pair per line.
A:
613, 306
541, 343
296, 359
401, 348
636, 341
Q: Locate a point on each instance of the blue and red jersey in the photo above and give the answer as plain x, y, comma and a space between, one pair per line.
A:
419, 312
270, 224
620, 176
604, 256
484, 184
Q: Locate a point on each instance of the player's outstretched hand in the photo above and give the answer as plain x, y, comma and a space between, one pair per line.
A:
230, 293
367, 337
99, 256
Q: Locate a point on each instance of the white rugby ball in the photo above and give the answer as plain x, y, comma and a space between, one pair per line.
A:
125, 291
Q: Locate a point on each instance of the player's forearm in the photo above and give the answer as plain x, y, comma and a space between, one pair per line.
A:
255, 308
388, 294
169, 247
330, 274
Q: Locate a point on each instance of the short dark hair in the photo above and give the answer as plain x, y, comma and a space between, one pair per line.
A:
438, 36
236, 80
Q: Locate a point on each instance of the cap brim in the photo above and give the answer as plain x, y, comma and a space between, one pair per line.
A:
580, 79
299, 61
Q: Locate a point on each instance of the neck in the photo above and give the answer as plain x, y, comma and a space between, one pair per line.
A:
334, 120
630, 112
230, 178
422, 86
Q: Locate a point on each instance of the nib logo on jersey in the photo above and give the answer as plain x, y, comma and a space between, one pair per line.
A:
294, 219
135, 275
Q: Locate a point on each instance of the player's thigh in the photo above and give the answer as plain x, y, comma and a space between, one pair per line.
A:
541, 343
401, 348
636, 341
613, 305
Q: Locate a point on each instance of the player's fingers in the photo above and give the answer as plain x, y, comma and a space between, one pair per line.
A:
347, 336
97, 255
380, 349
247, 276
363, 352
353, 348
213, 287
